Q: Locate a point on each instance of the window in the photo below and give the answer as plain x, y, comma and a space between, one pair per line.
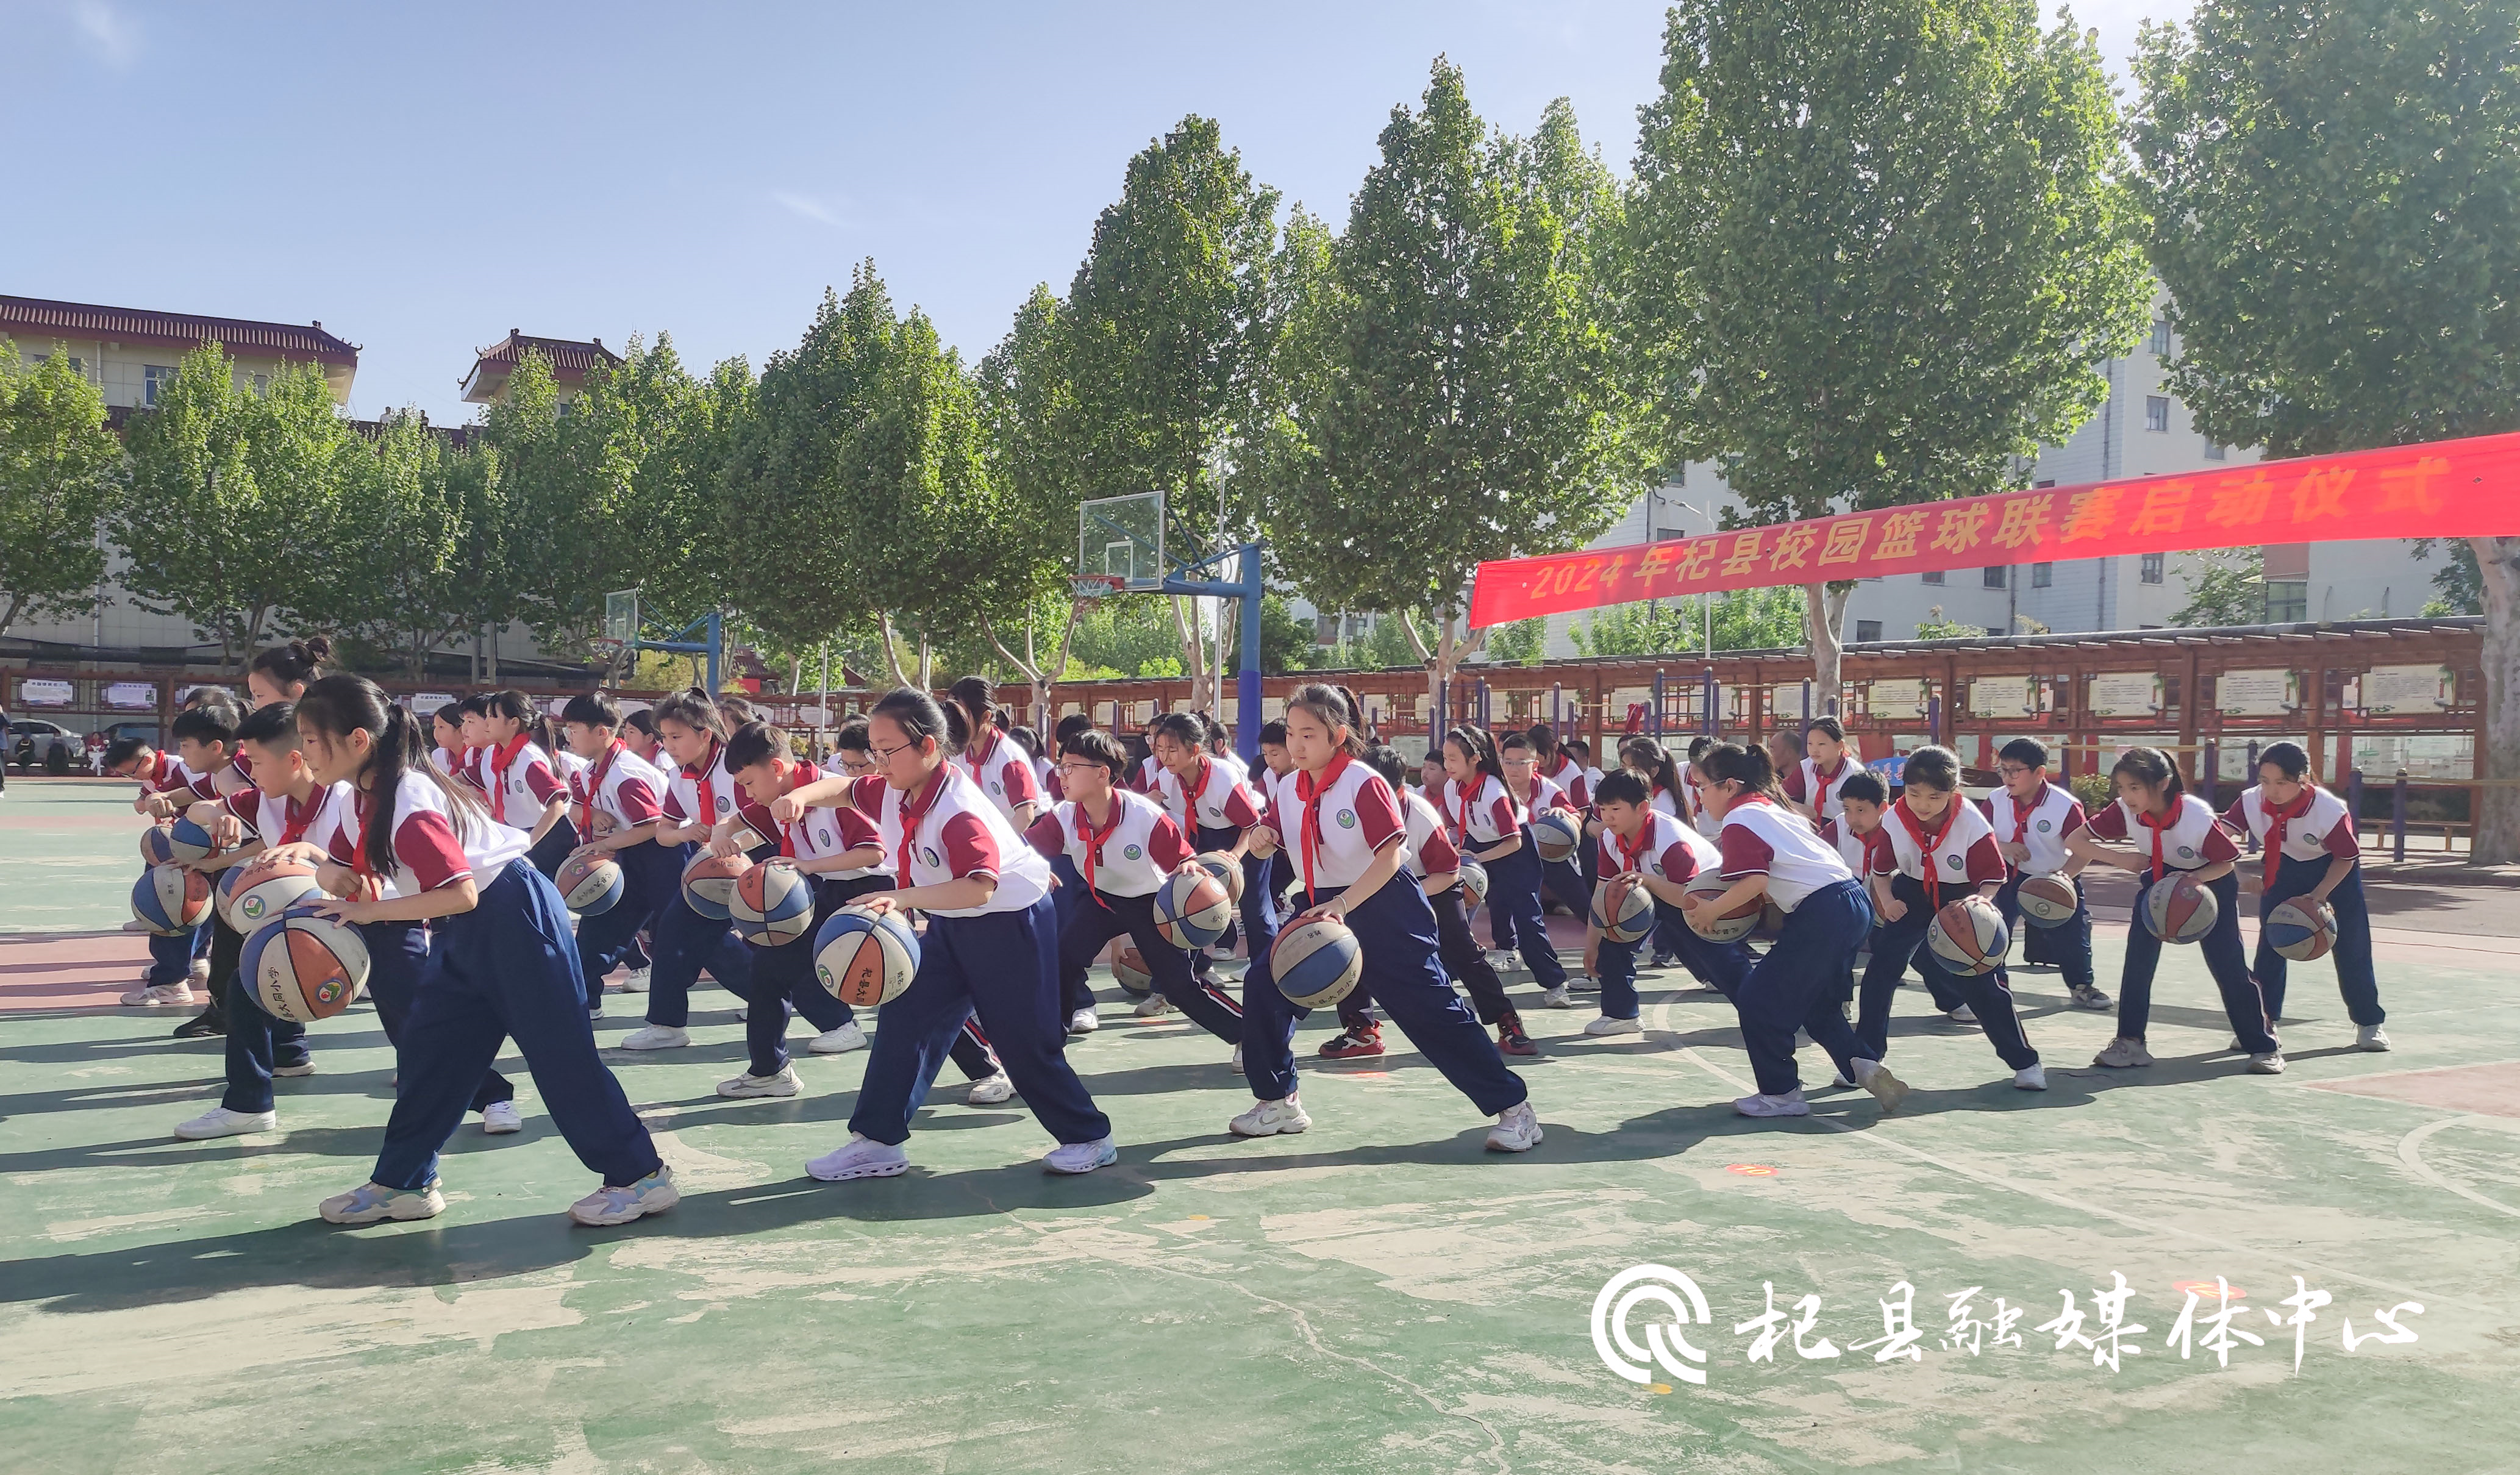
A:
2215, 452
1993, 578
2150, 571
2160, 344
2156, 413
1934, 577
78, 366
2287, 601
2051, 481
1995, 629
1326, 629
2042, 575
153, 378
1868, 630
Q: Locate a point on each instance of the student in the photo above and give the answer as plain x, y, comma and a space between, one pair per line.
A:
2032, 820
1812, 784
1031, 741
1486, 826
469, 713
1939, 849
446, 731
1436, 865
990, 947
1786, 753
204, 770
1767, 852
1347, 833
640, 736
1561, 879
281, 808
1864, 802
1209, 797
2311, 852
842, 853
280, 673
1123, 848
999, 765
1557, 763
1579, 751
616, 802
525, 788
2172, 829
1662, 855
501, 966
699, 793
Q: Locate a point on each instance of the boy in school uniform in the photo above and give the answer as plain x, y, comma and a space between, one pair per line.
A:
2033, 818
1642, 846
204, 768
1863, 802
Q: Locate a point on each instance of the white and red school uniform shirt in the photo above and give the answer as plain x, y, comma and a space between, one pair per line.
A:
448, 761
1571, 781
1957, 850
1482, 814
704, 792
1760, 839
432, 847
163, 773
2041, 824
518, 779
1223, 798
2312, 827
1429, 849
949, 831
1131, 853
1665, 849
214, 783
1147, 768
1857, 850
2188, 839
1002, 768
823, 835
618, 783
1546, 796
1334, 822
1806, 784
282, 820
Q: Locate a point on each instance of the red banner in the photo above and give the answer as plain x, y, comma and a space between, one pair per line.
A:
2445, 489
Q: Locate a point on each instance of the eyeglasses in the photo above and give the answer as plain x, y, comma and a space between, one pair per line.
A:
2012, 770
857, 765
886, 754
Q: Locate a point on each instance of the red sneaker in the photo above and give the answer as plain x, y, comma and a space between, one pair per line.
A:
1355, 1045
1511, 1040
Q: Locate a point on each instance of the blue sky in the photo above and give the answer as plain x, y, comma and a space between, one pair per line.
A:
423, 178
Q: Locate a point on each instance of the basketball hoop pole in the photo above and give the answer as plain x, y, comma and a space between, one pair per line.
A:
1247, 681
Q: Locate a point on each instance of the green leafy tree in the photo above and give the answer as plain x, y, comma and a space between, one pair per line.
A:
2335, 193
2459, 584
1523, 642
1450, 385
1029, 402
1747, 619
389, 573
60, 473
1933, 627
1879, 248
2226, 586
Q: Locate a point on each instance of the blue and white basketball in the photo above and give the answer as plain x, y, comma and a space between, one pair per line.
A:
1226, 869
1316, 962
590, 883
1969, 937
191, 842
1475, 886
708, 882
1623, 909
251, 895
170, 900
304, 966
1556, 833
1193, 910
773, 903
2301, 932
2179, 908
1130, 971
865, 958
2048, 901
156, 847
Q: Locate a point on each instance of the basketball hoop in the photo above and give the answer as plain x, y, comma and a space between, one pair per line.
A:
608, 649
1094, 586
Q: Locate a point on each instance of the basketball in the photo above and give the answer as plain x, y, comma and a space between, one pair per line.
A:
1556, 833
590, 883
1224, 869
1475, 886
1731, 926
172, 901
773, 903
2176, 909
156, 847
1131, 974
864, 959
2048, 901
2301, 932
1316, 962
252, 895
1192, 910
304, 966
1969, 937
191, 842
708, 884
1623, 909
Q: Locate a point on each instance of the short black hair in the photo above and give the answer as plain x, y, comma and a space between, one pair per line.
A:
123, 750
1621, 787
1829, 727
211, 722
2287, 757
1866, 787
852, 735
2029, 752
755, 742
1385, 759
592, 709
1932, 767
1097, 746
1273, 731
642, 720
273, 724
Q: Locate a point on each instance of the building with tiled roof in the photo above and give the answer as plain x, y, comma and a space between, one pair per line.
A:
129, 351
570, 361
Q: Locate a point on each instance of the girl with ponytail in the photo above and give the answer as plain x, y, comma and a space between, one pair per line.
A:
1487, 822
280, 673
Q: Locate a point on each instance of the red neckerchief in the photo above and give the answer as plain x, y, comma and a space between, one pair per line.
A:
983, 746
1093, 839
1307, 789
594, 776
709, 790
2021, 811
1926, 843
1469, 796
360, 865
501, 755
2157, 827
294, 831
914, 810
1630, 853
157, 767
1191, 789
2278, 819
788, 772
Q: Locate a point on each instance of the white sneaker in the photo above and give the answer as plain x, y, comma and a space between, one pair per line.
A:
635, 982
2272, 1063
1081, 1157
2371, 1037
1083, 1022
1237, 1060
369, 1203
2032, 1077
159, 996
218, 1121
839, 1041
1516, 1130
652, 1195
1556, 998
1887, 1088
1583, 984
1153, 1005
747, 1085
1269, 1119
302, 1068
1839, 1081
200, 973
862, 1157
1791, 1103
655, 1037
500, 1118
1963, 1015
1606, 1026
2122, 1054
990, 1090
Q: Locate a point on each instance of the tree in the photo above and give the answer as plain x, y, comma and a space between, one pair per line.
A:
1749, 619
1933, 627
1450, 391
59, 476
1523, 642
1029, 402
2461, 583
387, 570
1879, 248
2335, 190
1285, 641
2226, 586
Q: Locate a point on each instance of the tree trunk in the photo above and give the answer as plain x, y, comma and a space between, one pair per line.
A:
1193, 655
891, 648
926, 665
1823, 623
1043, 678
796, 674
1443, 661
491, 655
2497, 810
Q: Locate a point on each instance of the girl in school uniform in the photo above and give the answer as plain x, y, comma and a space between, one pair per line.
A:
1432, 862
1123, 848
525, 786
502, 964
1487, 827
616, 805
1769, 851
990, 947
1001, 766
1812, 784
1561, 880
2172, 829
1939, 849
1662, 855
1211, 798
1348, 834
449, 756
640, 736
2311, 851
699, 793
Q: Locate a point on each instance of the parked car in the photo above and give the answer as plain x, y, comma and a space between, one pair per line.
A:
146, 732
31, 741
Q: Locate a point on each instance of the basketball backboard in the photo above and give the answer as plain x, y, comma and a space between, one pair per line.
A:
1123, 537
621, 616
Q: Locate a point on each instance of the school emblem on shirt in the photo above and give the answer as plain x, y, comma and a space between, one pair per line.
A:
1951, 860
2187, 852
1132, 852
1347, 819
996, 788
930, 856
2046, 825
725, 802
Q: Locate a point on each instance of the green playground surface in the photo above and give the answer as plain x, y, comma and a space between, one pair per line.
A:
1377, 1293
